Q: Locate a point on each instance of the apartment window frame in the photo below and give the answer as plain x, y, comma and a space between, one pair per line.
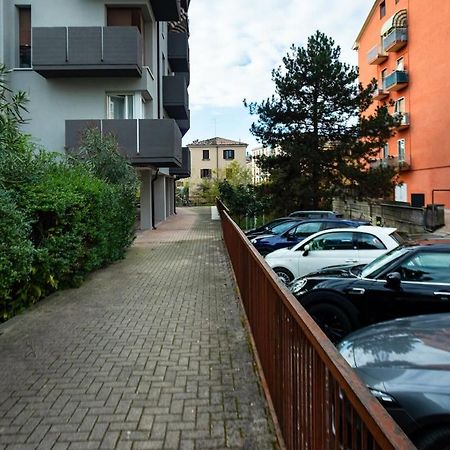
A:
400, 105
24, 44
205, 155
129, 105
400, 65
382, 9
205, 173
228, 154
401, 150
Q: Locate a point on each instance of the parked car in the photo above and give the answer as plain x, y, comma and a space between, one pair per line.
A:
409, 280
315, 214
267, 243
405, 363
276, 226
332, 247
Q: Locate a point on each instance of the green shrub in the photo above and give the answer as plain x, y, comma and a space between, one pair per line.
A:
16, 255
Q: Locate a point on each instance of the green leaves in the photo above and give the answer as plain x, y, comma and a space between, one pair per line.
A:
319, 120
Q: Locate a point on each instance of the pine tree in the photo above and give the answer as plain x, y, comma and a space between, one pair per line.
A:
318, 119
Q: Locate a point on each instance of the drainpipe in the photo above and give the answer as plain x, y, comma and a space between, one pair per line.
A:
154, 178
158, 68
174, 195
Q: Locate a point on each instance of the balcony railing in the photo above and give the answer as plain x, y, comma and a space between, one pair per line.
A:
404, 120
396, 80
395, 40
380, 94
178, 51
317, 400
376, 55
166, 10
401, 164
175, 96
185, 170
87, 51
145, 142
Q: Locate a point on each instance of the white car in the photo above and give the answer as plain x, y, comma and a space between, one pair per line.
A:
333, 247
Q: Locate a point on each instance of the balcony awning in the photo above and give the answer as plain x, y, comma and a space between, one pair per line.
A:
398, 20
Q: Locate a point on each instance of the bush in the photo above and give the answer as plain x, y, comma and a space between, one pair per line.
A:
16, 254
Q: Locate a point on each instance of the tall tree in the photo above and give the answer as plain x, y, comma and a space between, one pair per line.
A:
318, 119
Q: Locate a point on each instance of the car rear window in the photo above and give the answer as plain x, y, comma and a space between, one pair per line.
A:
397, 238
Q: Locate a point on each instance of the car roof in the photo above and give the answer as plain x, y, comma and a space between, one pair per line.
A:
373, 228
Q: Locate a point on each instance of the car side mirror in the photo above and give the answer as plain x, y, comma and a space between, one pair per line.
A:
393, 280
306, 250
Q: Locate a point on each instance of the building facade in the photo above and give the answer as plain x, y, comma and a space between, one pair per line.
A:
210, 158
258, 176
404, 45
118, 65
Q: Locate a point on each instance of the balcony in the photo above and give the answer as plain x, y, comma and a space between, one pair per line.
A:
401, 165
166, 10
380, 94
395, 40
404, 120
376, 55
145, 142
87, 51
396, 80
175, 97
185, 170
184, 125
178, 51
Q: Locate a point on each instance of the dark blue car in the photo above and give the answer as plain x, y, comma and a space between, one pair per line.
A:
270, 242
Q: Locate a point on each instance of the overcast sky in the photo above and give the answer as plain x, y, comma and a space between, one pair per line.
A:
235, 44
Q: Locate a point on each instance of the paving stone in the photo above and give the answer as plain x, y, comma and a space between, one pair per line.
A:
148, 353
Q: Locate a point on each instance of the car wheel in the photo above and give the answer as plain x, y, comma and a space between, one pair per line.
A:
283, 274
333, 321
435, 439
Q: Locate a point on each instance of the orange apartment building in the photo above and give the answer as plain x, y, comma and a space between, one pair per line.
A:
405, 45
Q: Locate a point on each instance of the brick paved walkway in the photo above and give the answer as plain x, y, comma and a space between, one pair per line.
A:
148, 353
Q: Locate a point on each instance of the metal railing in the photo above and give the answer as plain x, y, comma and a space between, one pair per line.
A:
318, 401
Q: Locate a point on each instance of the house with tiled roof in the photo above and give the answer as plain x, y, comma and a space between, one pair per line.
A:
210, 158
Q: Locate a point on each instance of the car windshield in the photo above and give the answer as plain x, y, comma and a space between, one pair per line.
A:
372, 269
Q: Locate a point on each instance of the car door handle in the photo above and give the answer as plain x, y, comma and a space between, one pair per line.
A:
357, 291
351, 260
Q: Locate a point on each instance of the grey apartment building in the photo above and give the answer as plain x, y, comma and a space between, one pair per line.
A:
118, 65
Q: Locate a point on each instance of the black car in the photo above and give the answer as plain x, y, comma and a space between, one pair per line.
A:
405, 363
299, 230
406, 281
276, 226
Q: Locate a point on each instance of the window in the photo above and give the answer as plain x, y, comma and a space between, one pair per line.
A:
205, 173
401, 64
399, 106
333, 241
228, 154
125, 17
382, 9
426, 267
401, 150
369, 242
24, 37
205, 155
383, 74
305, 229
120, 106
386, 151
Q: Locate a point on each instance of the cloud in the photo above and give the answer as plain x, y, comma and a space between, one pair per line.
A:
235, 44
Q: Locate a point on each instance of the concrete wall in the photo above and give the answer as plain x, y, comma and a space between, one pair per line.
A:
404, 218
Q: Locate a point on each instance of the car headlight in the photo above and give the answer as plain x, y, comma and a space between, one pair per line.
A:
382, 397
298, 285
